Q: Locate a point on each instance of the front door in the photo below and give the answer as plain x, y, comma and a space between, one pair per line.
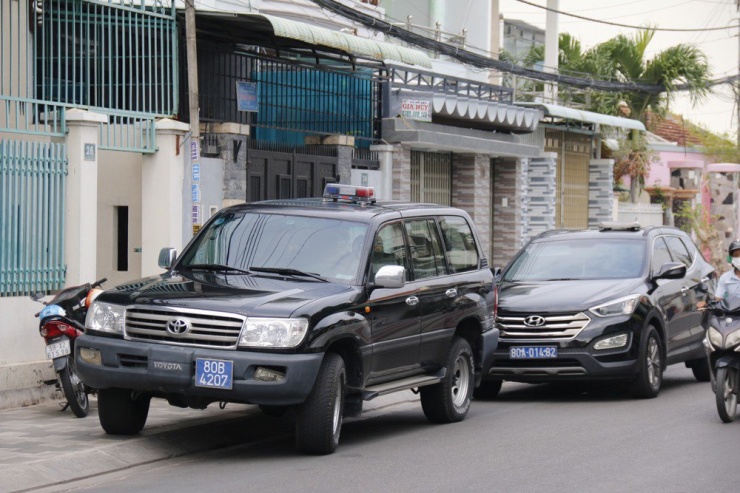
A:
394, 313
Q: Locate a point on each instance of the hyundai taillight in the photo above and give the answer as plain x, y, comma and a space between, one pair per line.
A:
55, 328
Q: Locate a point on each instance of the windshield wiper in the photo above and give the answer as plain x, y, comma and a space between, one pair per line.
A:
217, 267
288, 271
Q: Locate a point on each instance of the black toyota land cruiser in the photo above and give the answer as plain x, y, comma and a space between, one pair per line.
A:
316, 304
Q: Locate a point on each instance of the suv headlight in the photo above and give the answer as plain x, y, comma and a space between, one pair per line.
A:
621, 306
105, 317
273, 332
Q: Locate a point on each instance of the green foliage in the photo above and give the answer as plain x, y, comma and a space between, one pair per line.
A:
623, 58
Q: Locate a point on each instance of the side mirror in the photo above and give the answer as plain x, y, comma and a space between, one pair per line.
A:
496, 273
167, 257
390, 276
671, 270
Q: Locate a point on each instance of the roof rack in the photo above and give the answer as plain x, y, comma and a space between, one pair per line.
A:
619, 226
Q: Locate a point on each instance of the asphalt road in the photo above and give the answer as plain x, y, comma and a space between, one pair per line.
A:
532, 438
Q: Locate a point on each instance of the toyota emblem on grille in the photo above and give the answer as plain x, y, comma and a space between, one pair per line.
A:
534, 321
178, 326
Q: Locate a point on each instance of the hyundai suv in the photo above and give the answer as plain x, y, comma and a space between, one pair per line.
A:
617, 303
311, 304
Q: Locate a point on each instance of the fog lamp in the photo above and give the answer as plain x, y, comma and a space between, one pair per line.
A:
91, 356
611, 342
268, 374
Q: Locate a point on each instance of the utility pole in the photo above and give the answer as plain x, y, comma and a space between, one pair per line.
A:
551, 50
192, 57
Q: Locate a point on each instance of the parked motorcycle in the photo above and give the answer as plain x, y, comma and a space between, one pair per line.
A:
60, 322
723, 348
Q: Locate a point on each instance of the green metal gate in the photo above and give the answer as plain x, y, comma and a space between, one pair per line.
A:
32, 199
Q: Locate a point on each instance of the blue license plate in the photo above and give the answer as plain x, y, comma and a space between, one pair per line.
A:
533, 352
214, 373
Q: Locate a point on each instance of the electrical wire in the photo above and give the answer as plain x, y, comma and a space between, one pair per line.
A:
481, 61
599, 21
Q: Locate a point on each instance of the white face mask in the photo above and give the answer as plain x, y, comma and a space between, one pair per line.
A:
736, 262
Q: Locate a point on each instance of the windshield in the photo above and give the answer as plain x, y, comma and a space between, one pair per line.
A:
578, 260
266, 244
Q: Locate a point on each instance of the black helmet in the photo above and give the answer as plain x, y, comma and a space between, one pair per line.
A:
735, 245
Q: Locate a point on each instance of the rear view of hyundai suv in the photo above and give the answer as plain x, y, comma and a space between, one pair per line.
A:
617, 303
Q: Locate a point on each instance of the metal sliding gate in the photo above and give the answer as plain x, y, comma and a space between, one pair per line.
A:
279, 171
32, 199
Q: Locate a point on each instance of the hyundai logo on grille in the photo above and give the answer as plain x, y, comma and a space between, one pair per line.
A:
178, 326
534, 321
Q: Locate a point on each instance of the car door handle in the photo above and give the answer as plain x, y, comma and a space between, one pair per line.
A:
412, 301
451, 293
684, 290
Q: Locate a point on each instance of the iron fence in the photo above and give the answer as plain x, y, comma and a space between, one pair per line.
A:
32, 198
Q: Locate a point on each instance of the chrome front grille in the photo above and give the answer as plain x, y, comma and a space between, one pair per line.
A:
554, 327
196, 327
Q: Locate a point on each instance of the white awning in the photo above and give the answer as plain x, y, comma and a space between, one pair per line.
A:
236, 27
586, 116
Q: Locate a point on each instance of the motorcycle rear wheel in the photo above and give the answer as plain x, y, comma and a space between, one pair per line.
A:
725, 393
74, 390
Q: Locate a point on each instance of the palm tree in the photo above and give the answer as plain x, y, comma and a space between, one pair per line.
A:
623, 58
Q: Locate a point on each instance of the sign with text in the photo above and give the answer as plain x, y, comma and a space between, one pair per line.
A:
195, 188
196, 172
194, 154
89, 152
197, 214
416, 109
247, 98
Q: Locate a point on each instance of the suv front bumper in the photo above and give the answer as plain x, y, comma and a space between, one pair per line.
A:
164, 369
577, 359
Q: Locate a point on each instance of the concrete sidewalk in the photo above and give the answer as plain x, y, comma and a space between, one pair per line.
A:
41, 446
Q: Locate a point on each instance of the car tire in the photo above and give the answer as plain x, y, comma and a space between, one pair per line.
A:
120, 413
449, 400
319, 418
726, 399
488, 389
650, 366
700, 369
74, 390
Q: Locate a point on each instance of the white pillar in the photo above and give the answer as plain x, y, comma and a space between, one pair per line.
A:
81, 205
551, 50
385, 156
162, 175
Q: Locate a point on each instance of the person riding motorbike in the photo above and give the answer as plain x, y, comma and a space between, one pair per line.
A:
728, 285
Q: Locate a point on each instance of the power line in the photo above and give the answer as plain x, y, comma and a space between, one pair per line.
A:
481, 61
625, 25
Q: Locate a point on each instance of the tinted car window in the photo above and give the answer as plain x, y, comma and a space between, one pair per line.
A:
460, 249
389, 248
426, 254
316, 245
661, 255
579, 259
678, 250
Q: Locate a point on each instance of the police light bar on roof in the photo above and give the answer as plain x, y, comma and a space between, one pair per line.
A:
351, 193
619, 226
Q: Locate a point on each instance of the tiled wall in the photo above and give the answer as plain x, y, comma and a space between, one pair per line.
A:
541, 188
471, 191
509, 208
600, 191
